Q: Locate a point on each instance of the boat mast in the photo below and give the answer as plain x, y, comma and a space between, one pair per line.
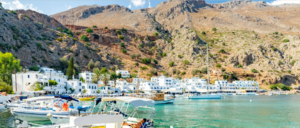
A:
207, 70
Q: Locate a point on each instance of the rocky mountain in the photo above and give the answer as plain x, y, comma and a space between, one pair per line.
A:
247, 40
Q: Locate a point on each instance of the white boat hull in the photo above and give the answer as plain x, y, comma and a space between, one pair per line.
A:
34, 114
4, 98
206, 97
59, 119
169, 101
2, 107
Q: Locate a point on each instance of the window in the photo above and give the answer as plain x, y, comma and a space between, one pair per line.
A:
28, 76
79, 90
58, 80
89, 87
79, 84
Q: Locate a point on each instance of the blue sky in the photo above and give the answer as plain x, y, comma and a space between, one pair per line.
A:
50, 7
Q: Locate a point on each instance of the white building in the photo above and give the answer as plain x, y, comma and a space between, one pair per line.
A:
27, 80
124, 73
90, 88
87, 76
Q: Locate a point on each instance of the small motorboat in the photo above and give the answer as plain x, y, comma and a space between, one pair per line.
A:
159, 98
87, 98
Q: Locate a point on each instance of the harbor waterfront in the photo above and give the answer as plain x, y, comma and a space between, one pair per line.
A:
230, 111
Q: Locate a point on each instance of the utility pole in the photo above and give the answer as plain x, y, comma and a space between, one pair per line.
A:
138, 83
16, 80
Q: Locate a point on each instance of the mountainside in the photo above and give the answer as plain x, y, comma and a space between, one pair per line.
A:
247, 40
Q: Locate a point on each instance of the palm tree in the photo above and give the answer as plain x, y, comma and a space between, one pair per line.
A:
97, 75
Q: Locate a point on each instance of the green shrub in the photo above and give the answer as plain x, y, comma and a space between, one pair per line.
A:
84, 38
254, 71
105, 27
96, 36
171, 64
180, 56
239, 66
222, 51
183, 73
280, 62
164, 54
89, 30
144, 68
118, 32
121, 37
94, 26
77, 33
155, 34
293, 62
133, 56
286, 40
274, 49
218, 65
281, 86
13, 12
124, 51
203, 33
133, 75
155, 61
214, 29
276, 33
85, 56
122, 44
34, 68
289, 71
59, 39
124, 30
146, 60
186, 62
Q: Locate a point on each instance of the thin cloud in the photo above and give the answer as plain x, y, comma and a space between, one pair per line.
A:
149, 4
17, 5
129, 6
279, 2
69, 7
138, 2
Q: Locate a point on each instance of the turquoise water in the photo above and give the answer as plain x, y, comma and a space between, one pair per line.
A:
231, 111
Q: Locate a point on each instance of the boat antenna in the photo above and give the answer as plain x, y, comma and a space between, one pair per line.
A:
207, 69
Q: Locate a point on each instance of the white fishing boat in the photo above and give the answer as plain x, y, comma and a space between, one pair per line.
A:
206, 95
2, 106
160, 98
57, 108
113, 112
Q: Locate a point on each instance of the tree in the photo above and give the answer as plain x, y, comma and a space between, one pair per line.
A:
280, 86
8, 65
4, 87
52, 83
119, 75
70, 70
97, 64
186, 62
113, 76
34, 68
105, 81
122, 44
214, 29
83, 91
118, 32
82, 80
254, 71
84, 38
38, 87
63, 63
133, 56
155, 61
98, 91
239, 66
91, 64
222, 51
89, 30
95, 78
171, 64
121, 37
146, 60
218, 65
124, 51
103, 70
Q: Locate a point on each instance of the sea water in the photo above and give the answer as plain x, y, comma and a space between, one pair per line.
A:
230, 111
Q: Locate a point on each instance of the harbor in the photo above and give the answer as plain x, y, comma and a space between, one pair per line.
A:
240, 111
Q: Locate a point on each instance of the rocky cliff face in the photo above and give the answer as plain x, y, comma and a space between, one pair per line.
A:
251, 40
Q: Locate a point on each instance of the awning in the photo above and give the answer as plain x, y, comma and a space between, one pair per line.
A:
135, 102
66, 97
